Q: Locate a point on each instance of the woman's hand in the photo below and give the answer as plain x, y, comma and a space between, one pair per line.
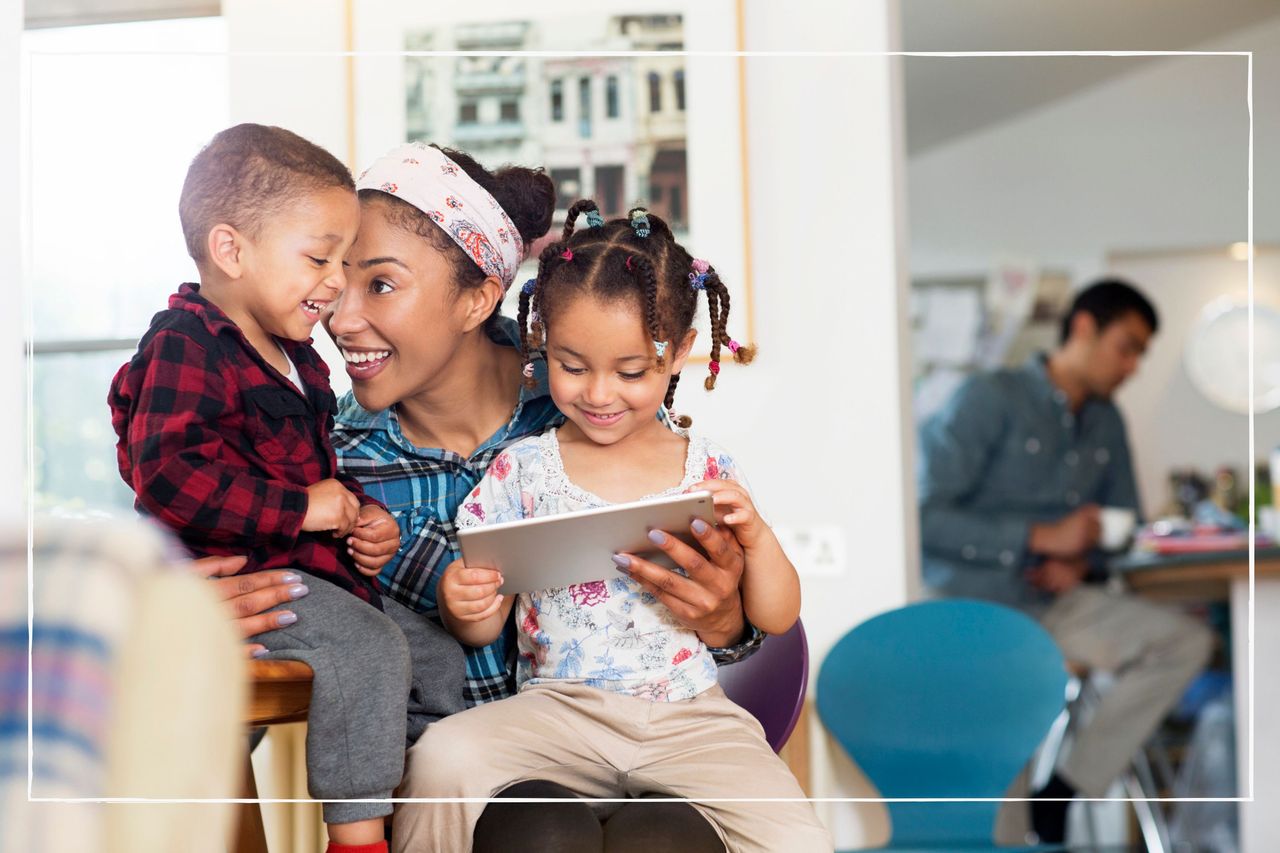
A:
250, 596
374, 541
707, 601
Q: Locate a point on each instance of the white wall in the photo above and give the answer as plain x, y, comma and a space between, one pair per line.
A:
824, 418
1169, 420
1153, 159
13, 382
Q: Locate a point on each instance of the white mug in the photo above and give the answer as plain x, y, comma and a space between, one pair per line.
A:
1117, 527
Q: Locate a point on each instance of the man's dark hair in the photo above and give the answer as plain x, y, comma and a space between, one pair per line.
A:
1108, 300
246, 174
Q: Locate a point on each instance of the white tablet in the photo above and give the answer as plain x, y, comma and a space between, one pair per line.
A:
578, 547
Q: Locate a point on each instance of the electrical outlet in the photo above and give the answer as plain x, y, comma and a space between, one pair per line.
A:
817, 551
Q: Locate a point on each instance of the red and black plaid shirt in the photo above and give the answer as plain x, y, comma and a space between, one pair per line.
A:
220, 447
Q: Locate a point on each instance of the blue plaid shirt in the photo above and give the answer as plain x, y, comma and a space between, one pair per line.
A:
423, 488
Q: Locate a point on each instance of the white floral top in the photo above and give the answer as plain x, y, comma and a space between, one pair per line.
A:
609, 634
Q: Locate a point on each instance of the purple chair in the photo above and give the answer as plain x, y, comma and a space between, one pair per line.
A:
772, 683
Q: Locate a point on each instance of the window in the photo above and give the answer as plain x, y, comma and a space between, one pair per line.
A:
676, 206
584, 107
655, 92
608, 191
93, 293
509, 110
557, 100
468, 112
679, 81
611, 96
568, 186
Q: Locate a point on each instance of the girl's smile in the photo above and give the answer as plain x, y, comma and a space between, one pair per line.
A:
602, 368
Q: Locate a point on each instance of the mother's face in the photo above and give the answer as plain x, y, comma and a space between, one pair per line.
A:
398, 322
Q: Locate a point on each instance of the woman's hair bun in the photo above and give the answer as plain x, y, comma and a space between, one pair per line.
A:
527, 195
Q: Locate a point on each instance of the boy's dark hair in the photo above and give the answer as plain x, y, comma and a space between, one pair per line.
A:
528, 197
611, 261
246, 174
1107, 300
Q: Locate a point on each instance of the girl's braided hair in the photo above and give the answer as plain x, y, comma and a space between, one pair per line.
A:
611, 261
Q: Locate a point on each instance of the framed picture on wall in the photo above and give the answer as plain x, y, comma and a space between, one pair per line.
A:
602, 96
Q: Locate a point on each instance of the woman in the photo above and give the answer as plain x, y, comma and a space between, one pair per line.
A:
438, 392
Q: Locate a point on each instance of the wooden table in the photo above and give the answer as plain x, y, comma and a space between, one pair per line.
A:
1224, 576
1204, 576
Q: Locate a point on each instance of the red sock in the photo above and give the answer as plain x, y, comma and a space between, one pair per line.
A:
376, 847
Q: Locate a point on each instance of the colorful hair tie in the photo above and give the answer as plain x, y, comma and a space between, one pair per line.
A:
528, 370
567, 254
594, 219
715, 368
661, 347
698, 278
628, 262
528, 287
734, 346
640, 222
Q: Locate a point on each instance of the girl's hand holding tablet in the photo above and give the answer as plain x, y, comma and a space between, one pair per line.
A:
470, 605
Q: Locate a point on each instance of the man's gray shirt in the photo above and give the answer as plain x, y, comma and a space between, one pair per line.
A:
1006, 452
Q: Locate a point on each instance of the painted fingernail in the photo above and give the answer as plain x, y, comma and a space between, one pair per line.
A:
286, 619
298, 590
656, 537
257, 653
699, 526
290, 577
623, 563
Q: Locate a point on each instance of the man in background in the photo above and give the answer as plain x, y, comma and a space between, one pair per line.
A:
1012, 474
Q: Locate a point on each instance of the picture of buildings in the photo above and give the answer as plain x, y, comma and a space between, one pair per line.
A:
606, 125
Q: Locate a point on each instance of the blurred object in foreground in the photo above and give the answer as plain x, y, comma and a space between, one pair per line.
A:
136, 689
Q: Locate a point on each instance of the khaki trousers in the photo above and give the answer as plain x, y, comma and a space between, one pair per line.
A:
605, 745
1152, 651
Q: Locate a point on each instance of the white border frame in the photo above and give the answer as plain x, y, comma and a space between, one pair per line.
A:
28, 348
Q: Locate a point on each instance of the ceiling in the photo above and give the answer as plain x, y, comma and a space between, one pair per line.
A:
947, 98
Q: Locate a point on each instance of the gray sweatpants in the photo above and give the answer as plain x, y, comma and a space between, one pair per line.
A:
380, 678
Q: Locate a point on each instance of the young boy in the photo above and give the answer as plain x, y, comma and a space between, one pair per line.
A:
223, 418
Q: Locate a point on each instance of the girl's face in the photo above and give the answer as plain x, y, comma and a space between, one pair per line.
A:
601, 367
399, 322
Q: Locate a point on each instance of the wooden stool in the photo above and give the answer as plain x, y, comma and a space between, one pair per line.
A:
279, 692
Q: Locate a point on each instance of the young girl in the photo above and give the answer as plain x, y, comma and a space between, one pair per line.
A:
616, 699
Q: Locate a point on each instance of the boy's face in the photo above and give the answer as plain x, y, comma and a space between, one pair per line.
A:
292, 271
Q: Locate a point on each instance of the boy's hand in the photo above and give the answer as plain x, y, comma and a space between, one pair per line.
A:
330, 506
374, 541
734, 508
469, 595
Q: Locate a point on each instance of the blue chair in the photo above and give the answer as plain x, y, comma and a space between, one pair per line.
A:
942, 699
